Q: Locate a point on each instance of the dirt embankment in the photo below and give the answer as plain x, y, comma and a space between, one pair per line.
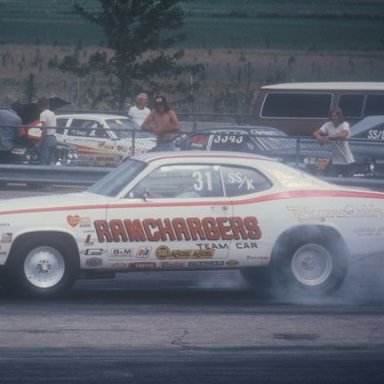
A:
230, 80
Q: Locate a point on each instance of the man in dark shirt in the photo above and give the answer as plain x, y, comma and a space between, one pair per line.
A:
10, 127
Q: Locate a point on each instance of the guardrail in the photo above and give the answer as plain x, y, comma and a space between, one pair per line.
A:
53, 175
86, 176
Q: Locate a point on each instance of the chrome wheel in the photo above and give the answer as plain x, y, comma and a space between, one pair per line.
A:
311, 265
44, 267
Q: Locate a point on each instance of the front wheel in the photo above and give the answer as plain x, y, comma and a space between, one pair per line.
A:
42, 268
315, 267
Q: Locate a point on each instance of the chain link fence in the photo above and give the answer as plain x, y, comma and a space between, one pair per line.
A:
95, 146
329, 159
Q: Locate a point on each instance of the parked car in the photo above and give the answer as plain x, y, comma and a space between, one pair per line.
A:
266, 141
102, 139
193, 211
25, 152
367, 144
24, 149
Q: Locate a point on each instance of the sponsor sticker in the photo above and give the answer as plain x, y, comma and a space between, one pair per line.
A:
165, 253
6, 237
369, 231
119, 265
206, 264
172, 265
304, 213
144, 252
122, 253
162, 252
94, 262
94, 251
88, 240
142, 265
253, 259
73, 220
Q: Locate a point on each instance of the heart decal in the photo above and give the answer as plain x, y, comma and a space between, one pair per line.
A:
73, 221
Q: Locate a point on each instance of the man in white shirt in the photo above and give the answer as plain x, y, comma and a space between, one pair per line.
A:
140, 111
335, 131
47, 143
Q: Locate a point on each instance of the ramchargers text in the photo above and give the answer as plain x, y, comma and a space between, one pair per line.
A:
178, 229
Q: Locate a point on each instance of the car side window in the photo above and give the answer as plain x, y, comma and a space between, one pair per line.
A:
87, 128
180, 181
374, 105
291, 104
230, 141
352, 105
60, 125
240, 181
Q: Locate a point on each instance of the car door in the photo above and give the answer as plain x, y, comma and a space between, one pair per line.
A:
366, 144
92, 141
253, 215
174, 218
79, 134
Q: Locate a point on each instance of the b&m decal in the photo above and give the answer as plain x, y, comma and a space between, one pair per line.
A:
178, 229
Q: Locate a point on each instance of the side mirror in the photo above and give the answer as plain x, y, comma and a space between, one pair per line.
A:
146, 194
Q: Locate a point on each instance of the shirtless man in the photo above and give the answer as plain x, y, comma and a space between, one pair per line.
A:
163, 122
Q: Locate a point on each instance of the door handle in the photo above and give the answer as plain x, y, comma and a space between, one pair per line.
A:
222, 208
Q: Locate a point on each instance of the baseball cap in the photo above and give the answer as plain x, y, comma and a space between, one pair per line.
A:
160, 100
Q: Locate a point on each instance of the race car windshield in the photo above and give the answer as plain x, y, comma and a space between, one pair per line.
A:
125, 128
115, 181
270, 140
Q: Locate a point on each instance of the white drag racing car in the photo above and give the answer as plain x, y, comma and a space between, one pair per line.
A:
192, 211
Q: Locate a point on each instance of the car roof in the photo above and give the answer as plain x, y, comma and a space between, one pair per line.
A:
90, 116
248, 129
328, 86
201, 155
368, 122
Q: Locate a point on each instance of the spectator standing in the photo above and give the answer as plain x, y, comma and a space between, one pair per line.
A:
163, 122
47, 143
336, 131
139, 112
10, 129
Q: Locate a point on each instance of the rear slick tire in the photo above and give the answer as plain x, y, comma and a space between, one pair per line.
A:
312, 268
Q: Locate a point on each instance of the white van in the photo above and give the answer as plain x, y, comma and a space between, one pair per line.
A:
301, 108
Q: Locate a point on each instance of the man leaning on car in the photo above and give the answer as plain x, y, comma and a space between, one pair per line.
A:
335, 132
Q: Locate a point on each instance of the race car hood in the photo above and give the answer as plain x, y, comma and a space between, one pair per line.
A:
45, 203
